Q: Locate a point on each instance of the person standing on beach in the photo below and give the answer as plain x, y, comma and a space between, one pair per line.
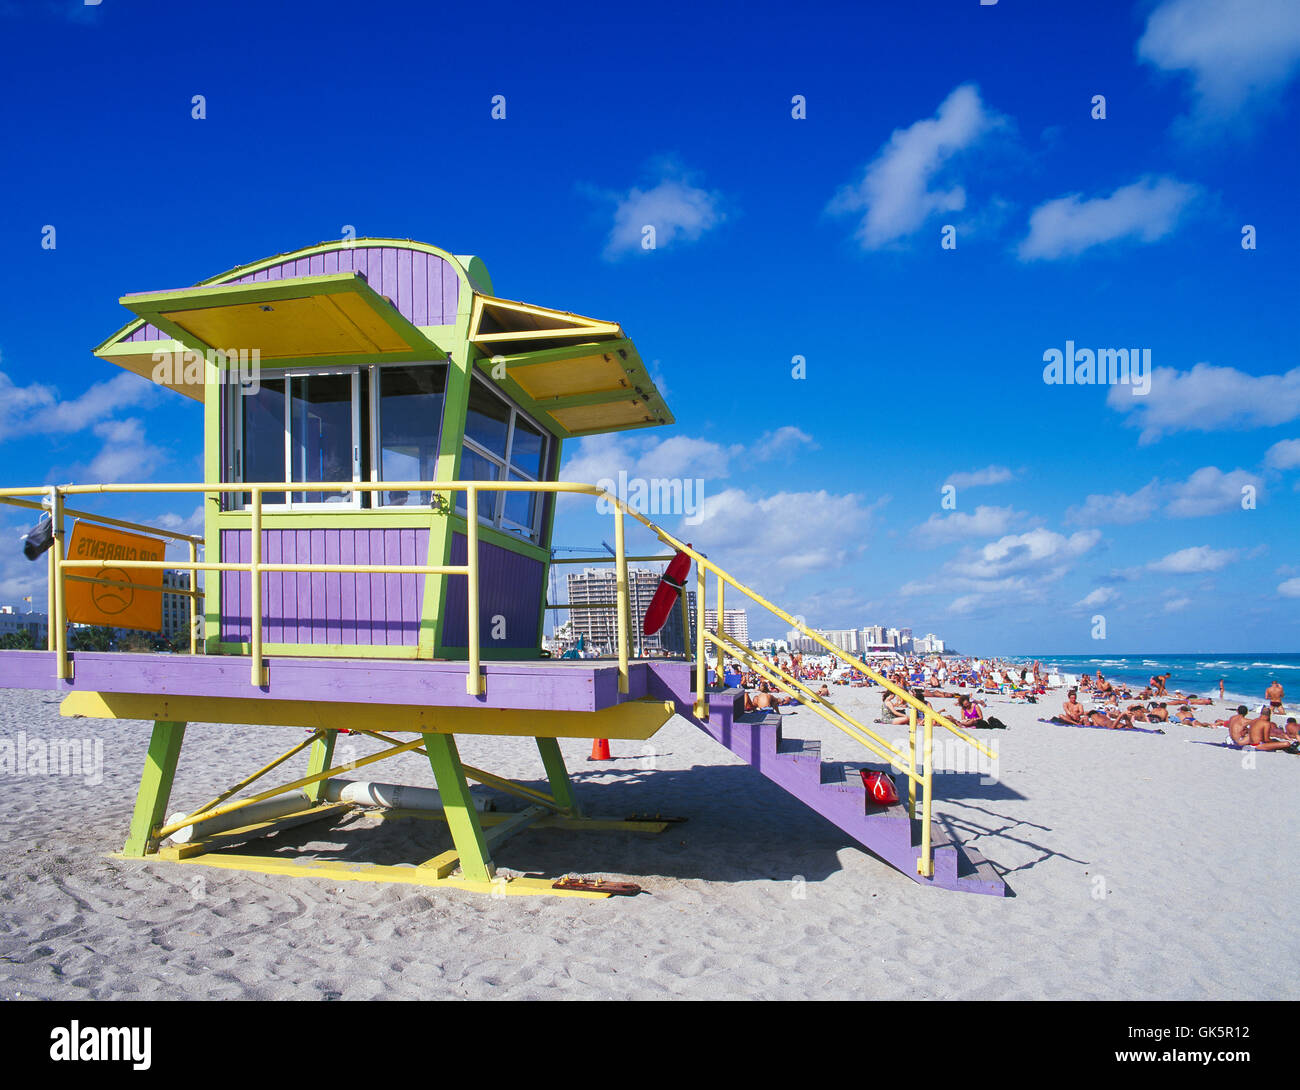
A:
1221, 681
1274, 694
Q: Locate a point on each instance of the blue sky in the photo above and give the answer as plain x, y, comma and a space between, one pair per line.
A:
777, 238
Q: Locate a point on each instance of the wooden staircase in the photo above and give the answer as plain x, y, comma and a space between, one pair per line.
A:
835, 790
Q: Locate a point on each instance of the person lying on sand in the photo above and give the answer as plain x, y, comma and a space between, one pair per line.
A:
764, 702
1117, 721
1194, 699
1137, 712
1187, 718
1158, 712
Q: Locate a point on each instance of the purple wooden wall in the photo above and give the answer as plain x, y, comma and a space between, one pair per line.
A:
424, 287
305, 607
510, 585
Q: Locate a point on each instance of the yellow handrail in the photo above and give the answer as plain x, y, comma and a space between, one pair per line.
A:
703, 562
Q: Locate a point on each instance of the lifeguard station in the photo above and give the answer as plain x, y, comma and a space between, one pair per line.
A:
382, 438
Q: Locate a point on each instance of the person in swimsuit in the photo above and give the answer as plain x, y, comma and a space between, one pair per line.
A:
1274, 695
1072, 712
1262, 735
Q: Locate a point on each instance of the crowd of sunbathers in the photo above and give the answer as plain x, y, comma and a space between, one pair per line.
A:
1258, 731
1115, 706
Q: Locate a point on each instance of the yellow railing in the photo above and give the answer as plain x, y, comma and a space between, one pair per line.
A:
919, 774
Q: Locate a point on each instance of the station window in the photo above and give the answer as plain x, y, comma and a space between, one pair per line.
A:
337, 425
503, 444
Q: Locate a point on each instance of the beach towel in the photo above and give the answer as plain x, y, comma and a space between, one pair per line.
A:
1094, 726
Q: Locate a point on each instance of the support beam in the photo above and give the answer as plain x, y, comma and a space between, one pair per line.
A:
322, 753
155, 786
466, 831
558, 776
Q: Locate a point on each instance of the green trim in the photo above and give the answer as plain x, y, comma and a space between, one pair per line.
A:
323, 650
558, 776
344, 518
321, 754
155, 787
458, 806
495, 654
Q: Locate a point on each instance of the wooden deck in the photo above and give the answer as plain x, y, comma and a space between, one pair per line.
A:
528, 685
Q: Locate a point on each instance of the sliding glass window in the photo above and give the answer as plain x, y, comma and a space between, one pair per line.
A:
503, 444
408, 402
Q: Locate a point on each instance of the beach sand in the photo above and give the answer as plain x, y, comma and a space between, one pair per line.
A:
1142, 866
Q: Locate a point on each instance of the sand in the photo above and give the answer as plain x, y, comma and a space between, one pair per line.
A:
1142, 866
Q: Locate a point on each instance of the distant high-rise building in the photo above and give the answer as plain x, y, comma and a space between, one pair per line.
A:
599, 627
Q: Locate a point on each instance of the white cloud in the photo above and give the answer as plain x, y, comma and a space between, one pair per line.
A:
1290, 589
125, 456
1237, 53
1208, 398
1119, 508
784, 441
778, 538
894, 197
1147, 210
1099, 597
673, 207
37, 410
985, 521
1210, 491
1033, 550
1198, 558
1284, 454
1174, 605
677, 457
979, 477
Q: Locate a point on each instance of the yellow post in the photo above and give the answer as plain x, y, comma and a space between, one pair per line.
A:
911, 745
925, 865
722, 588
701, 701
59, 619
474, 679
258, 670
194, 586
51, 607
620, 560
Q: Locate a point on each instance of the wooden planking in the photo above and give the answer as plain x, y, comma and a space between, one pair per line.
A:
510, 586
327, 608
424, 287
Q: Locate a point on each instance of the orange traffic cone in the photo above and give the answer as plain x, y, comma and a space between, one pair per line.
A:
600, 750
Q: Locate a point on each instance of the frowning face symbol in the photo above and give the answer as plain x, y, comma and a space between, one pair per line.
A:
112, 600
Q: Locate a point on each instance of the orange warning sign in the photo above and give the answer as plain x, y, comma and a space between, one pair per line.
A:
138, 606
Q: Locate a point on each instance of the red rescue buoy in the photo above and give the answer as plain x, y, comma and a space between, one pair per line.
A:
661, 605
880, 787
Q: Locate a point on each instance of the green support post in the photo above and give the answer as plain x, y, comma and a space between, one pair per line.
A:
458, 806
319, 758
558, 776
155, 786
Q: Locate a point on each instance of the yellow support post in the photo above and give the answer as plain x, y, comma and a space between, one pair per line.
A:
620, 560
474, 679
722, 589
51, 607
194, 586
258, 668
701, 699
925, 865
59, 619
911, 747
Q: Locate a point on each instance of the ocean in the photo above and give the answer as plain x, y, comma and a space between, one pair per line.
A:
1245, 676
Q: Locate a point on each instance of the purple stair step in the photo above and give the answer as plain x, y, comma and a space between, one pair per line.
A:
831, 788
